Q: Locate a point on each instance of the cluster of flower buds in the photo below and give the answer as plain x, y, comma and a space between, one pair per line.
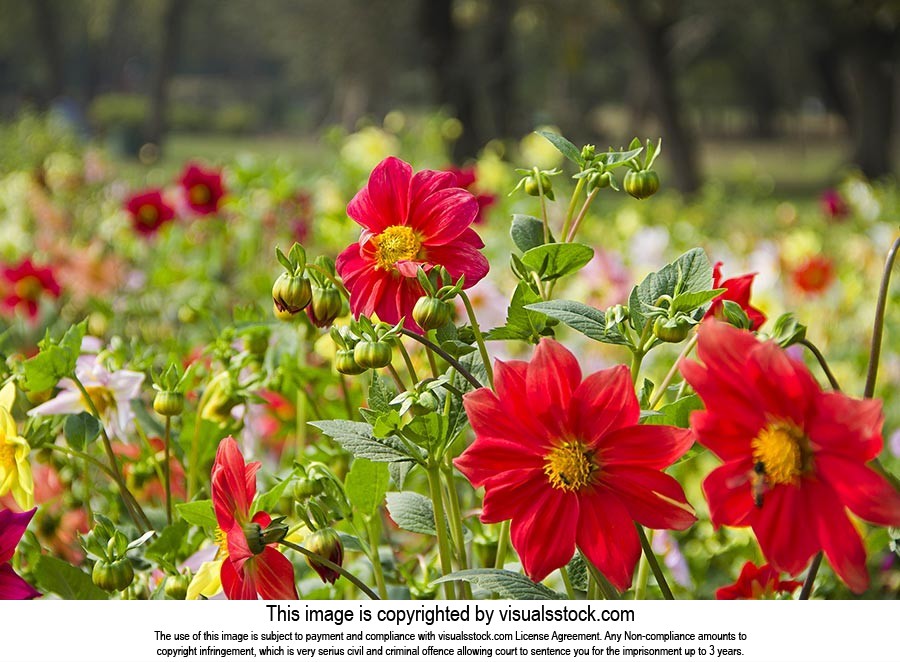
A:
435, 309
364, 345
108, 547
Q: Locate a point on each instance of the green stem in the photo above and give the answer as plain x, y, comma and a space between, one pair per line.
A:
432, 361
378, 570
131, 504
479, 339
321, 560
456, 527
637, 357
167, 441
195, 444
444, 355
806, 591
822, 362
502, 545
582, 214
300, 398
408, 361
396, 377
338, 284
878, 325
661, 389
607, 590
654, 563
570, 590
537, 178
643, 574
440, 526
570, 212
345, 394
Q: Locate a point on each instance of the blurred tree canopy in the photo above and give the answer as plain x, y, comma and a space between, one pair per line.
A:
598, 69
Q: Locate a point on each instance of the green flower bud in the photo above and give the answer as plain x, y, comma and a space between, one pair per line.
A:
326, 543
599, 180
345, 364
325, 306
671, 330
641, 184
431, 313
177, 586
307, 488
113, 575
291, 293
531, 186
168, 403
372, 353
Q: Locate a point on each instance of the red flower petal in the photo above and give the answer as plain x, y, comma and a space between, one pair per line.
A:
651, 497
785, 526
847, 427
233, 484
488, 456
511, 493
273, 575
653, 446
862, 490
460, 259
426, 182
12, 528
13, 587
839, 539
444, 215
385, 199
553, 375
544, 536
491, 417
603, 402
607, 537
235, 585
729, 494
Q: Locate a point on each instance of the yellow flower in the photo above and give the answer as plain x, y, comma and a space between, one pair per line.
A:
15, 470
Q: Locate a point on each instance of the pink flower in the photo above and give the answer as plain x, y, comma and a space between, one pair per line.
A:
149, 211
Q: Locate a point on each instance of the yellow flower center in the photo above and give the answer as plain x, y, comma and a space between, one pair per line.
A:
395, 244
782, 450
221, 540
147, 214
29, 288
102, 398
200, 194
7, 456
570, 466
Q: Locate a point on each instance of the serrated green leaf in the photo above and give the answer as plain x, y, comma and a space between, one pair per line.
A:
521, 324
411, 511
690, 301
357, 438
399, 471
198, 513
565, 147
380, 395
54, 575
581, 317
578, 573
366, 484
509, 585
527, 232
553, 261
80, 430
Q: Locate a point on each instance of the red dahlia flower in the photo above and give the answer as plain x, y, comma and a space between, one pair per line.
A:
12, 527
149, 211
253, 565
833, 204
203, 189
737, 289
567, 462
756, 583
814, 275
25, 284
408, 221
795, 456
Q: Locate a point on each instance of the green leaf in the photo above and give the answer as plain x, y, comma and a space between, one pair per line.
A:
55, 360
527, 232
692, 270
198, 513
614, 159
399, 471
581, 317
81, 429
553, 261
68, 582
521, 324
677, 413
578, 573
565, 147
168, 542
380, 395
357, 438
366, 484
509, 585
687, 302
268, 500
412, 512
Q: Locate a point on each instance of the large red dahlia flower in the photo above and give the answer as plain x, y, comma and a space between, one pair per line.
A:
149, 211
737, 289
795, 456
252, 566
567, 462
409, 220
24, 285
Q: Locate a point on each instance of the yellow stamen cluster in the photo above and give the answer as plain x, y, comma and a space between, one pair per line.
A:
102, 398
200, 194
148, 214
7, 456
395, 244
782, 449
29, 288
570, 466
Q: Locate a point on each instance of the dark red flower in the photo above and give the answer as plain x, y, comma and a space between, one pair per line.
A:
814, 275
466, 178
149, 211
203, 189
833, 204
12, 527
795, 457
567, 462
756, 583
252, 566
408, 221
737, 289
25, 284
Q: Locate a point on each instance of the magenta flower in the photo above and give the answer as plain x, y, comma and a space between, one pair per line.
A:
12, 527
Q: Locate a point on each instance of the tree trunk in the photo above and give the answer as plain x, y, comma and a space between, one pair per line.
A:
168, 56
500, 67
678, 143
51, 47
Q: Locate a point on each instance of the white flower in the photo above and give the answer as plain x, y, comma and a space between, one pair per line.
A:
111, 393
